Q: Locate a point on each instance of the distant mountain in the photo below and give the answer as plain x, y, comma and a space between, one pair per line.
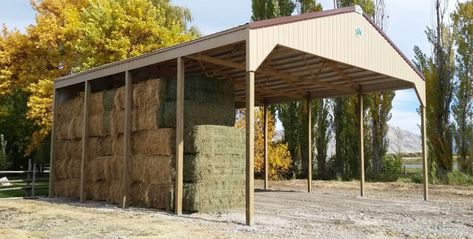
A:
403, 141
399, 141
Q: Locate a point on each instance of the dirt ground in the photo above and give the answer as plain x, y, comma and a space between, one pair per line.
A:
333, 210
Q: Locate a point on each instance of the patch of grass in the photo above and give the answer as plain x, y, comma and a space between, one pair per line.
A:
43, 191
458, 178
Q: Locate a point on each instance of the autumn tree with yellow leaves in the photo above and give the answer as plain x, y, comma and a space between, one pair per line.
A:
74, 35
279, 158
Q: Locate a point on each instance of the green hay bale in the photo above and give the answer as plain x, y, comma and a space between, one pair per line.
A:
108, 105
214, 168
201, 89
212, 197
108, 99
212, 139
197, 114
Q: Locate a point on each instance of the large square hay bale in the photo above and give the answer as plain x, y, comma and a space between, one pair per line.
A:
196, 113
213, 139
96, 103
153, 142
199, 197
146, 93
100, 146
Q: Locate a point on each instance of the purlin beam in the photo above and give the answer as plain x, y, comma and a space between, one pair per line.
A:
295, 81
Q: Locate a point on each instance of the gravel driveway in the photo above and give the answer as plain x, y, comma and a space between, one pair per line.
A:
333, 210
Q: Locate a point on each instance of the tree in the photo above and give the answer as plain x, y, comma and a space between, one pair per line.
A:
379, 106
367, 5
462, 108
278, 155
287, 113
345, 162
321, 134
71, 36
3, 153
267, 9
15, 127
438, 71
306, 6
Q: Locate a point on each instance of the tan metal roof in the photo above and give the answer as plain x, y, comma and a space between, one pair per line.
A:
324, 54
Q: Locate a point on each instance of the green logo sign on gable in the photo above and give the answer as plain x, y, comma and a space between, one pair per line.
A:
358, 32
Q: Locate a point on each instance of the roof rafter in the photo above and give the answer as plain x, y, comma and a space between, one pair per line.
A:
295, 81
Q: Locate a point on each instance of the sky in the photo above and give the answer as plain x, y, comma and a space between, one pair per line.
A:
407, 21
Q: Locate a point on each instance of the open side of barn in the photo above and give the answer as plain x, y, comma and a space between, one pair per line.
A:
317, 55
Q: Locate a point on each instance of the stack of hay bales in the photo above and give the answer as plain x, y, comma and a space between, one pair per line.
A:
214, 155
152, 149
214, 165
68, 147
207, 101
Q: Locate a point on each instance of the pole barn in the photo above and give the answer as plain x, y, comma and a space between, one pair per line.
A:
325, 54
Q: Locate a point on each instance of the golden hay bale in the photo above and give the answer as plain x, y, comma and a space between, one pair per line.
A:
144, 118
95, 170
117, 145
153, 142
60, 169
100, 146
159, 169
117, 123
72, 149
73, 188
62, 130
112, 167
75, 127
96, 125
73, 168
150, 195
96, 103
119, 99
150, 169
138, 193
67, 149
96, 190
137, 168
115, 192
146, 93
59, 188
59, 150
66, 110
157, 195
99, 170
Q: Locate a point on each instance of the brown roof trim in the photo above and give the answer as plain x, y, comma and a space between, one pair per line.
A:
393, 45
302, 17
